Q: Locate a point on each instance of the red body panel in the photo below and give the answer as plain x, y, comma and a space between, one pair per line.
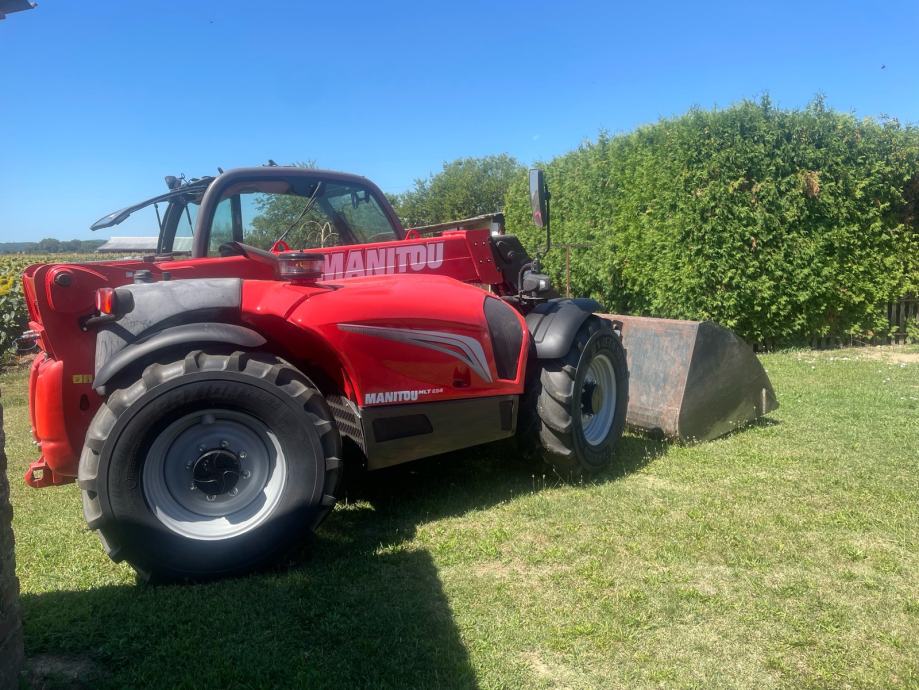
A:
358, 328
312, 321
48, 422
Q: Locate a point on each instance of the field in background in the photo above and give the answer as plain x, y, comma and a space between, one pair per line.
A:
781, 556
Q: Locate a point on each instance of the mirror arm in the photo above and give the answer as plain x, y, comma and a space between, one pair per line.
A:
537, 265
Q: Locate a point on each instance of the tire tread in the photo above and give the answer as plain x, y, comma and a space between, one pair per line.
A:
555, 400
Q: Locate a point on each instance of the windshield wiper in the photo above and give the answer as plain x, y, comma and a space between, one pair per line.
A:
306, 208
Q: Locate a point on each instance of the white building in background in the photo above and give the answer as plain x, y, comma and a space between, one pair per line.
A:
142, 245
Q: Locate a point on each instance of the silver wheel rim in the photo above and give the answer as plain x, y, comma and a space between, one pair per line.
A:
214, 474
598, 400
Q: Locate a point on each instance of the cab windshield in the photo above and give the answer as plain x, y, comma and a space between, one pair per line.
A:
306, 213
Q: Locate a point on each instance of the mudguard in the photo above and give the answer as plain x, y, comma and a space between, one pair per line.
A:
553, 324
192, 335
167, 314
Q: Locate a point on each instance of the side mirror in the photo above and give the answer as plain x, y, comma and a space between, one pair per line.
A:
539, 195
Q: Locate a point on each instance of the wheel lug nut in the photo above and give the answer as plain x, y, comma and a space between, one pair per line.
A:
245, 474
192, 487
234, 491
224, 444
211, 498
201, 449
243, 454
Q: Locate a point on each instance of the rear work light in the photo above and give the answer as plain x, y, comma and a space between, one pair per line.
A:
113, 302
300, 266
106, 301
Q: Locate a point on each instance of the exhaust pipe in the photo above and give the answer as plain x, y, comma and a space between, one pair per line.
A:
691, 380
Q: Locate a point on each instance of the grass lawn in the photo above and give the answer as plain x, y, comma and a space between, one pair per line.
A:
786, 555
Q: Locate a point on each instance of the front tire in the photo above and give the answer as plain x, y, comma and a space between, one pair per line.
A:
210, 465
582, 402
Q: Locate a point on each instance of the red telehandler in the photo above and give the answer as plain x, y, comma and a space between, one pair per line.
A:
203, 396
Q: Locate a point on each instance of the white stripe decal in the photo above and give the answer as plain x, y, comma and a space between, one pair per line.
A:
467, 350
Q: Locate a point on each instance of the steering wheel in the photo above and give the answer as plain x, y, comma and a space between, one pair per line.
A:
386, 236
231, 249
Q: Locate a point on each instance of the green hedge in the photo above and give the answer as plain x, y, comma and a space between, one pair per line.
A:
782, 225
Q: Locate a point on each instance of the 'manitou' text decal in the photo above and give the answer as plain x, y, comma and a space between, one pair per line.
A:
383, 261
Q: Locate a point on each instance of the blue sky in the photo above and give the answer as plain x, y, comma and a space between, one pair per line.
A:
100, 99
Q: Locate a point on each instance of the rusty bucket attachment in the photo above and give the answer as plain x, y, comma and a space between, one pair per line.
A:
691, 380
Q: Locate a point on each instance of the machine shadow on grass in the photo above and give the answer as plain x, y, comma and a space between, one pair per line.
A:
361, 608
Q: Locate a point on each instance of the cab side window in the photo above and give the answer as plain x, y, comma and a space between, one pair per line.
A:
221, 227
185, 229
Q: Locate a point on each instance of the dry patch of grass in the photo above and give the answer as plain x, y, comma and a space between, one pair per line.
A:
894, 354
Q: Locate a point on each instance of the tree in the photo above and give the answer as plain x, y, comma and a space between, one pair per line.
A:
463, 188
277, 214
50, 245
90, 245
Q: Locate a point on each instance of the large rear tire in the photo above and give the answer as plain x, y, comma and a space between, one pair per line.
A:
582, 402
210, 465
